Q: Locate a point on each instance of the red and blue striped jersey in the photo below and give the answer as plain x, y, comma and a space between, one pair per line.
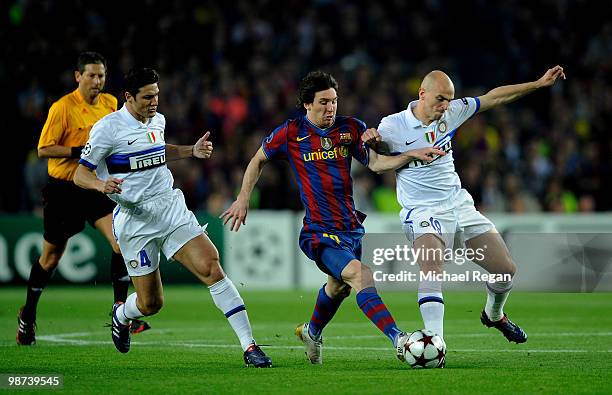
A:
321, 163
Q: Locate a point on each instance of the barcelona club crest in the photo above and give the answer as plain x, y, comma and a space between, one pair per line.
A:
430, 136
345, 138
442, 127
326, 143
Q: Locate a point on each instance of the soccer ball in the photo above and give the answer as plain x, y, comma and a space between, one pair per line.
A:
424, 349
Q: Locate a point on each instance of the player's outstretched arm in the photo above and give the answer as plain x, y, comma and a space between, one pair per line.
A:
86, 179
237, 212
509, 93
382, 163
201, 149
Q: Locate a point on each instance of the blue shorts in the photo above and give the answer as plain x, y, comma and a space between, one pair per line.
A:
331, 252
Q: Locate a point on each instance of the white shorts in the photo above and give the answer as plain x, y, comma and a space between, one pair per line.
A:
454, 222
161, 224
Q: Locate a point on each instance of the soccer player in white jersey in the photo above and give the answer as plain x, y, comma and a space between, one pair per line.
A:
436, 212
127, 150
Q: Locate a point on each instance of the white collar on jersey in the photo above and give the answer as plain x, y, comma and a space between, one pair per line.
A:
133, 122
412, 120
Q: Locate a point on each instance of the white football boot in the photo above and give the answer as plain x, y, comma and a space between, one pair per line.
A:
402, 339
313, 348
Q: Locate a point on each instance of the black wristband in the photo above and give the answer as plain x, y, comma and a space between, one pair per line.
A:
76, 152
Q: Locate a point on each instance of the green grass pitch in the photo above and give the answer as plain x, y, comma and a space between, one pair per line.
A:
191, 348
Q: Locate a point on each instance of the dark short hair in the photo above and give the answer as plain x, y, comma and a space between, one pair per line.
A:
89, 57
314, 82
138, 77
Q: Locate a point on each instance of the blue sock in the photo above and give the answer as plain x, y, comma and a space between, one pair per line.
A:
373, 307
324, 310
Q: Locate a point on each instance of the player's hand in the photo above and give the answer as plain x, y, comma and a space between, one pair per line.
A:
551, 75
203, 148
112, 185
426, 154
237, 213
371, 138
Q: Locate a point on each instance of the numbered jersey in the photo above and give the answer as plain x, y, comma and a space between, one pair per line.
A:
420, 183
122, 147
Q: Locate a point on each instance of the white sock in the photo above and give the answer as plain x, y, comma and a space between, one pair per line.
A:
497, 293
431, 304
128, 311
228, 300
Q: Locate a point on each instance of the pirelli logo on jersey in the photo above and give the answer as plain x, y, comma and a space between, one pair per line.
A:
136, 161
148, 160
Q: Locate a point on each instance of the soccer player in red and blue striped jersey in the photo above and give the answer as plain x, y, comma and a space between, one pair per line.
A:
319, 148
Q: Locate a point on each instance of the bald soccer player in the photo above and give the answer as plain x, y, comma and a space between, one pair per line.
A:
437, 213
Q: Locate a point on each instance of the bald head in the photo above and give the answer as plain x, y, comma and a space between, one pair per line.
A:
435, 94
437, 80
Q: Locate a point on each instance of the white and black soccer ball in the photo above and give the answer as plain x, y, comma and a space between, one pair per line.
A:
424, 349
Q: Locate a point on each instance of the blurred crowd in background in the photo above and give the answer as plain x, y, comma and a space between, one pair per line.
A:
233, 68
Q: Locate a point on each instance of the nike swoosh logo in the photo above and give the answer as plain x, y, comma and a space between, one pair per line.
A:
132, 142
408, 143
302, 138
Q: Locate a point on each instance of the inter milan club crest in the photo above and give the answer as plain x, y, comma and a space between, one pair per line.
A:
326, 143
442, 127
430, 136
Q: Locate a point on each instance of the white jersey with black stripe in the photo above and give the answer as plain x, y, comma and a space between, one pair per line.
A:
120, 146
420, 183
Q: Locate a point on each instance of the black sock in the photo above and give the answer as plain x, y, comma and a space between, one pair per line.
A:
119, 277
39, 278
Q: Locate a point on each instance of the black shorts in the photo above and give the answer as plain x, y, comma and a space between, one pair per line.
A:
66, 207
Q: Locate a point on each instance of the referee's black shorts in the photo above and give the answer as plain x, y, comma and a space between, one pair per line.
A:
66, 207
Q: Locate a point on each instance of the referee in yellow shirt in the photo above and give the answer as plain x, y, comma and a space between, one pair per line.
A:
66, 206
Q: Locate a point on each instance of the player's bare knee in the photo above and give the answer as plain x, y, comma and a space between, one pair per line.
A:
151, 306
365, 272
354, 271
339, 290
358, 276
344, 291
209, 269
430, 267
116, 248
503, 264
204, 270
211, 260
215, 273
49, 262
431, 253
509, 268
